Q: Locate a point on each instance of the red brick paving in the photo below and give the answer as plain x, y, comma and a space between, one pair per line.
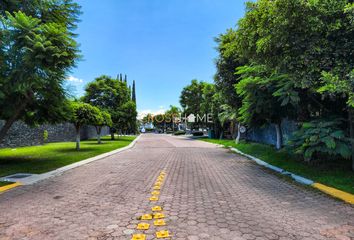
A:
209, 193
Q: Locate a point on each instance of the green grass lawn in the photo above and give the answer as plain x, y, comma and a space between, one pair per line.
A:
44, 158
335, 174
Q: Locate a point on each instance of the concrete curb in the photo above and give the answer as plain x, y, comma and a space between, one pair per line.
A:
39, 177
297, 178
346, 197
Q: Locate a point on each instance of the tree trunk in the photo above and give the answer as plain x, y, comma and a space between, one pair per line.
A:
237, 140
279, 137
221, 134
78, 138
351, 132
112, 134
98, 130
12, 119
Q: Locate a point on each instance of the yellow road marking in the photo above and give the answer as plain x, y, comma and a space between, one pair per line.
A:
143, 226
146, 217
156, 208
347, 197
159, 215
160, 222
155, 193
139, 237
8, 187
162, 234
154, 198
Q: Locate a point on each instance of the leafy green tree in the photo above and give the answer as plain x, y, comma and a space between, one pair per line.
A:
104, 120
195, 99
192, 97
84, 114
173, 114
37, 49
227, 100
108, 94
334, 85
227, 61
159, 121
260, 104
301, 39
298, 62
127, 115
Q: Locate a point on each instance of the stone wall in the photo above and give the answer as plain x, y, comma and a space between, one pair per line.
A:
21, 134
267, 133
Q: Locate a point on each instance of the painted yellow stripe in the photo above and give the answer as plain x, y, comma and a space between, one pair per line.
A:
8, 187
347, 197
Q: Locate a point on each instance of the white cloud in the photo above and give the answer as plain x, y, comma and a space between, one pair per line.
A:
75, 80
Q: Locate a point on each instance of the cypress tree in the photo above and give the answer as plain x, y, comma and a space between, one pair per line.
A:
133, 94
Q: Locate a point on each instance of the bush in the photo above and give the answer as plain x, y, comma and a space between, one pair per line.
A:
199, 133
180, 133
320, 138
149, 129
45, 135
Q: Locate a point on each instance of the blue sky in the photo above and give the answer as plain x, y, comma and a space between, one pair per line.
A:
162, 44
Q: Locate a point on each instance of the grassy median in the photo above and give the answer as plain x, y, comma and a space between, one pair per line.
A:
335, 174
44, 158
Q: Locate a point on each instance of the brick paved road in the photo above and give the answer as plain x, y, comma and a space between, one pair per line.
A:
208, 193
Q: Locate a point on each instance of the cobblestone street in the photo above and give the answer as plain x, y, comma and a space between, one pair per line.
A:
207, 193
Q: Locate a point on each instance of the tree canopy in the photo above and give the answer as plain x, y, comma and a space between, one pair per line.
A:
113, 96
289, 59
37, 49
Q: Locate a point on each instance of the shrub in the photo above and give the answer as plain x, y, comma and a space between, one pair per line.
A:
320, 138
198, 133
179, 132
45, 135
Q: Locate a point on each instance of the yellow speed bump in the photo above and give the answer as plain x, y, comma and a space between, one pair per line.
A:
163, 172
159, 222
143, 226
155, 193
162, 234
347, 197
156, 208
159, 183
139, 237
159, 215
157, 187
160, 178
146, 217
154, 198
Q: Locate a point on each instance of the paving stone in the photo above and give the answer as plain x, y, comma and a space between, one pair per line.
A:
208, 193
